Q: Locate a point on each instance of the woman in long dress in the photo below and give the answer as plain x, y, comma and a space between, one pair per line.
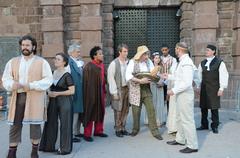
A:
158, 95
59, 107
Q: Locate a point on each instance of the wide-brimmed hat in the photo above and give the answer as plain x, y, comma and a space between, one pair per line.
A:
140, 51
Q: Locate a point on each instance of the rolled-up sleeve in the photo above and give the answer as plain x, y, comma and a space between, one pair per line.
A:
7, 78
129, 70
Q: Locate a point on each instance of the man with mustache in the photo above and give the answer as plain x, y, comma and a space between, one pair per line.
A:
28, 77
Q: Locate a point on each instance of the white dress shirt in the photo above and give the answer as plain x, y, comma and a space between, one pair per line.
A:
40, 85
223, 73
111, 75
183, 76
142, 65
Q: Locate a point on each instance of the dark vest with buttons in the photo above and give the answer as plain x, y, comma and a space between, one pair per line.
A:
210, 85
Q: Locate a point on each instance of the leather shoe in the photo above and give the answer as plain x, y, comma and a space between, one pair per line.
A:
62, 152
79, 135
88, 139
119, 134
126, 133
101, 135
76, 140
159, 137
174, 142
202, 128
133, 134
188, 150
215, 130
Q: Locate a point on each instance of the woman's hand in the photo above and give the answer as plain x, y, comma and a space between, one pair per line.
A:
52, 94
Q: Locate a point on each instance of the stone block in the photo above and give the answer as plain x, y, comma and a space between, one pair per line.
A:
186, 24
108, 43
72, 18
32, 19
31, 3
107, 8
74, 10
90, 23
87, 46
90, 10
8, 3
72, 26
236, 21
187, 15
225, 41
50, 50
204, 36
107, 16
52, 24
187, 7
53, 38
21, 29
236, 61
224, 32
51, 2
19, 11
73, 35
186, 33
206, 7
90, 1
236, 48
226, 5
205, 21
91, 36
8, 20
225, 23
52, 11
225, 15
71, 2
108, 2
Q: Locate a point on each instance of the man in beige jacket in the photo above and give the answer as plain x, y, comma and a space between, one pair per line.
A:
27, 77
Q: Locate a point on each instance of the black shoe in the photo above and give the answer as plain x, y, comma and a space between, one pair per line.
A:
215, 130
126, 133
133, 134
76, 140
202, 128
79, 135
88, 139
59, 152
159, 137
12, 152
48, 150
174, 142
188, 150
119, 134
101, 135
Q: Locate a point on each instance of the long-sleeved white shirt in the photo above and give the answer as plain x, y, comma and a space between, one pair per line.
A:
111, 75
223, 73
40, 85
142, 65
183, 76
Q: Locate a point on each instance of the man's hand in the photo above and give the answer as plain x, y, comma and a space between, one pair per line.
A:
115, 97
164, 76
220, 93
145, 80
26, 87
16, 86
170, 92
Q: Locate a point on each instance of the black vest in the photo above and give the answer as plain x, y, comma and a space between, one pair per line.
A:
210, 85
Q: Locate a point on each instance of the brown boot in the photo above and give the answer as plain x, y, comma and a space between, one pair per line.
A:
34, 153
12, 152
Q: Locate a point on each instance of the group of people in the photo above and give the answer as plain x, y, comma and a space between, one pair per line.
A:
74, 95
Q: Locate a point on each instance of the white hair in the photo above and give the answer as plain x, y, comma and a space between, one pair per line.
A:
73, 47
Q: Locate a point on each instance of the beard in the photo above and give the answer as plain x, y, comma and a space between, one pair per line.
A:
26, 52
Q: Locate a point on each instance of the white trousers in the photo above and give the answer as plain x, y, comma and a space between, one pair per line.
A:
172, 116
186, 129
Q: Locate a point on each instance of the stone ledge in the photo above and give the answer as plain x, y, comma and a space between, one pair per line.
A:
51, 2
52, 24
90, 1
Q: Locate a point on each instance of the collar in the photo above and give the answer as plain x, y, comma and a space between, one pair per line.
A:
182, 57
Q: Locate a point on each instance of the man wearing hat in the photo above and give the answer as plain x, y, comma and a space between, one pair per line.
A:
183, 91
139, 91
214, 78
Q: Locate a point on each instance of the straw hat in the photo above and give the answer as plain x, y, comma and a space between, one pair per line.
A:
140, 51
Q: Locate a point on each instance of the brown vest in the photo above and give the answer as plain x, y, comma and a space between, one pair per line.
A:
35, 100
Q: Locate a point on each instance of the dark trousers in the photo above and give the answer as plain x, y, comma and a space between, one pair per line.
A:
215, 118
16, 129
166, 97
62, 109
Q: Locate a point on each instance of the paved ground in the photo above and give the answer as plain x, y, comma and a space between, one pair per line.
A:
226, 144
